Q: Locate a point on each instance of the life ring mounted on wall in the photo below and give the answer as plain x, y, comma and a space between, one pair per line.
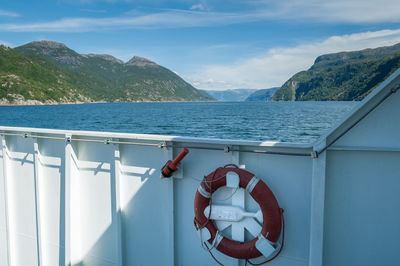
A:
270, 240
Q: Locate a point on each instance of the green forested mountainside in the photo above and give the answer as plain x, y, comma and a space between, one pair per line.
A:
344, 76
262, 95
50, 72
34, 79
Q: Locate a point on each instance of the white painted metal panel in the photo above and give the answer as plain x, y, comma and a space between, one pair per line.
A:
362, 203
51, 163
3, 208
289, 178
96, 199
21, 202
144, 206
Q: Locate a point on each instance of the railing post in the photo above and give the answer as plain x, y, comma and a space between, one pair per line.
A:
317, 207
5, 193
37, 200
67, 200
117, 202
168, 151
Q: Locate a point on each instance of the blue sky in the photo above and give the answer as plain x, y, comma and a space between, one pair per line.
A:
218, 45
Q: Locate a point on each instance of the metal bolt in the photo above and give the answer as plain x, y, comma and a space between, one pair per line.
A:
162, 145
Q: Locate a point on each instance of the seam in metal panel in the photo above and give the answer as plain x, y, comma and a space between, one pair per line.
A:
7, 219
171, 208
67, 204
37, 201
317, 210
117, 195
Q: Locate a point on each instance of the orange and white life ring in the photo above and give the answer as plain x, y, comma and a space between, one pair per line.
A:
272, 214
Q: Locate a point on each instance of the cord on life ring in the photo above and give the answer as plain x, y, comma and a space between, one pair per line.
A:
272, 214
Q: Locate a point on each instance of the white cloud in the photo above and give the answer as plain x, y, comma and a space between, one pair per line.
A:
198, 7
339, 11
277, 65
167, 19
94, 1
5, 13
353, 11
6, 43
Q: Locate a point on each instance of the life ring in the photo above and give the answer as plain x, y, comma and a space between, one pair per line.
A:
272, 214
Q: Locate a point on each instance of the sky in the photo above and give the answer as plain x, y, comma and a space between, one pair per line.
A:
212, 44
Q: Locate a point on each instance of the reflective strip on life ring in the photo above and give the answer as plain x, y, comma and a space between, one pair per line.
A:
272, 222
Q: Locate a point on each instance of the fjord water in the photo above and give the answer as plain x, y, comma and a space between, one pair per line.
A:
299, 122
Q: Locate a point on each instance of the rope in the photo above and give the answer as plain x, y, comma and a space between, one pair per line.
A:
217, 261
280, 249
196, 223
198, 227
211, 192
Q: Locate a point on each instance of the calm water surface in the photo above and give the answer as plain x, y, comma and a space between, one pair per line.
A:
301, 122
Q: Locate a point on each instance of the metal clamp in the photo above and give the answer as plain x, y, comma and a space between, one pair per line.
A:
227, 149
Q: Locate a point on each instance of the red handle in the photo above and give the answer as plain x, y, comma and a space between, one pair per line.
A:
171, 166
180, 156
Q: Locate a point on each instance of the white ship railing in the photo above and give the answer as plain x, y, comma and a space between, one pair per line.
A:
96, 198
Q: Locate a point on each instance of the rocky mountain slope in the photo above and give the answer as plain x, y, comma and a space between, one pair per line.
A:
34, 80
50, 72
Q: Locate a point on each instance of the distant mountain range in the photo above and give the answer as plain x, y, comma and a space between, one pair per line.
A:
344, 76
263, 95
49, 72
237, 95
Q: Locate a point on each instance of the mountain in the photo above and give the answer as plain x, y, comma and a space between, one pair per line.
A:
50, 72
27, 80
344, 76
263, 95
238, 95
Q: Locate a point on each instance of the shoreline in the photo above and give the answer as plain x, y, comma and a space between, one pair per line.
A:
71, 103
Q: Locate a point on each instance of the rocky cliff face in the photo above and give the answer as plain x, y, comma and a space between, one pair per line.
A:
140, 61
